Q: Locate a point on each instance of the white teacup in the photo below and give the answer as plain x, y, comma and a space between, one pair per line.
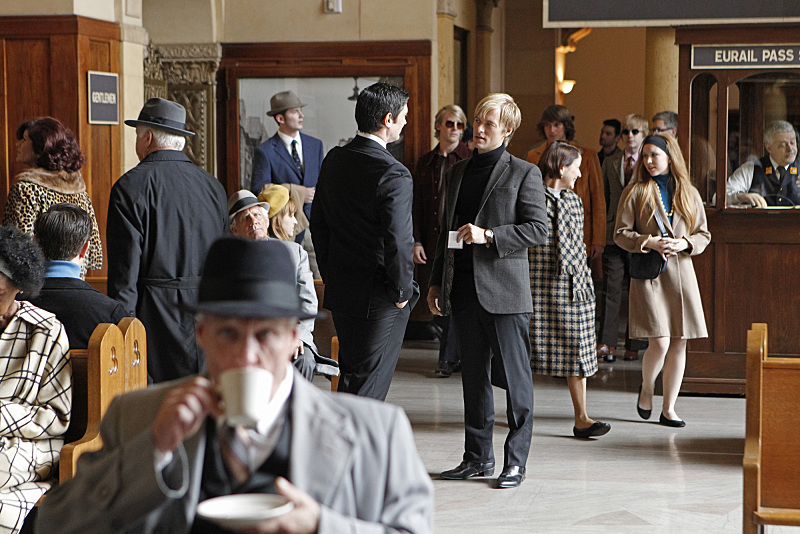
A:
245, 393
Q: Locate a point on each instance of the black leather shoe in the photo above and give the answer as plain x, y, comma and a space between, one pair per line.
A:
598, 428
675, 423
611, 358
467, 470
511, 477
443, 370
644, 414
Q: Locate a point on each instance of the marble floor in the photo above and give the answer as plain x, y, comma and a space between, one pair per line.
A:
639, 478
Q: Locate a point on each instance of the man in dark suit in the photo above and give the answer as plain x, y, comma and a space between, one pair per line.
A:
63, 233
495, 210
346, 464
163, 216
362, 232
289, 156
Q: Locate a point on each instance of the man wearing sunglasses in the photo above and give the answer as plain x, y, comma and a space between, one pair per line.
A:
429, 192
617, 174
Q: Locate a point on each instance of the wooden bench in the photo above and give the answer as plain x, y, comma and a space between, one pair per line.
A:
772, 437
325, 337
115, 362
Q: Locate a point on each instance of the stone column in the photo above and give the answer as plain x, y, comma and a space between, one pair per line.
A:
190, 74
661, 72
483, 47
445, 22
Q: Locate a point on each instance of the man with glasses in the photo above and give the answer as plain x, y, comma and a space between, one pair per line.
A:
666, 122
429, 192
617, 174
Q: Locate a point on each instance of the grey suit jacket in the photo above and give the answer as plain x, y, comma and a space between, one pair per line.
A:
357, 459
613, 171
513, 207
305, 284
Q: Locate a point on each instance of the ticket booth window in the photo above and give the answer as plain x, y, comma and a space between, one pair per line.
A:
754, 102
702, 164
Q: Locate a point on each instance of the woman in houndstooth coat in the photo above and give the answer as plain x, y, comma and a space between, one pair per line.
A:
562, 322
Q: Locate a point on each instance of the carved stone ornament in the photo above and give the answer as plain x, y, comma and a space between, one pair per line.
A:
195, 63
152, 63
445, 7
484, 15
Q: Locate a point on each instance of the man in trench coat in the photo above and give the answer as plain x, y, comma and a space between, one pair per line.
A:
163, 216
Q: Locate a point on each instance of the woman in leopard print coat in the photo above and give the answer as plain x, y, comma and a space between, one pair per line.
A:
51, 151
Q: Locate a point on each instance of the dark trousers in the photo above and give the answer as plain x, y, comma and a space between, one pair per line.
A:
615, 268
479, 336
370, 346
447, 339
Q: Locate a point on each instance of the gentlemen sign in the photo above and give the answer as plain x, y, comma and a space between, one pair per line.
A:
745, 56
103, 98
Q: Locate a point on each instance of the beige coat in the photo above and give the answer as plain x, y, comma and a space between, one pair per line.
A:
670, 305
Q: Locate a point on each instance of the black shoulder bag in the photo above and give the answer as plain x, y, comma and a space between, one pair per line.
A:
648, 265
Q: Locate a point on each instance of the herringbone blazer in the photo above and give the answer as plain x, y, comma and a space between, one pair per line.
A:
513, 207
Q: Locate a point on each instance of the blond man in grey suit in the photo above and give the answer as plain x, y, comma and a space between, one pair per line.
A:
347, 464
496, 207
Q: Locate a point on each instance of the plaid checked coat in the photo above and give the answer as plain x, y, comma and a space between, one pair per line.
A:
562, 323
35, 404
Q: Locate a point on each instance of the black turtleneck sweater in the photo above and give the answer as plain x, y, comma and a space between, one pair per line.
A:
473, 184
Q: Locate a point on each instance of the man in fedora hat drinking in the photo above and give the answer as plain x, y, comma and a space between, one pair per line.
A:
163, 216
347, 464
289, 156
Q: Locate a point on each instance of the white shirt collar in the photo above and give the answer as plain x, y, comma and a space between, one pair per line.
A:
374, 138
287, 141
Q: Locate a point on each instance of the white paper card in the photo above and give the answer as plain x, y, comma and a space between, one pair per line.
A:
452, 240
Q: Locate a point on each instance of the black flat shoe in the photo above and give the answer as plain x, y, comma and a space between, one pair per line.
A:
598, 428
467, 470
644, 414
675, 423
511, 477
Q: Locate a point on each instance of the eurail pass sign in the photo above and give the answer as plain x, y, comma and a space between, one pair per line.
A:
785, 56
103, 97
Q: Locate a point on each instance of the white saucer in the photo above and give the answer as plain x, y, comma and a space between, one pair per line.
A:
243, 510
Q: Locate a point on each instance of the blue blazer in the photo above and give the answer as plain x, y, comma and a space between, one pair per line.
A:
273, 164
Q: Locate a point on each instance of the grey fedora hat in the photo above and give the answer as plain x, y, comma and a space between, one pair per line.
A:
162, 114
241, 200
248, 278
282, 101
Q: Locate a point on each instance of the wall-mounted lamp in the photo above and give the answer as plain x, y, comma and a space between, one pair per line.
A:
332, 6
566, 86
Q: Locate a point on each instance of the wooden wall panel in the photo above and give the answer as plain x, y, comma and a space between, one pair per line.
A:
44, 72
763, 288
27, 81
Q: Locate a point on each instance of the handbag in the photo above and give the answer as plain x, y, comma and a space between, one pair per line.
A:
649, 265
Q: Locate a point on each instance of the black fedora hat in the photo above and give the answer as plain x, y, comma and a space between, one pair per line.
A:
162, 114
249, 278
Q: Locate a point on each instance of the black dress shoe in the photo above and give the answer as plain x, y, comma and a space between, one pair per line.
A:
644, 414
511, 477
443, 370
598, 428
467, 470
675, 423
611, 358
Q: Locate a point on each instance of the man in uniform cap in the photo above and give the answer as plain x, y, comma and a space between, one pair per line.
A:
163, 216
289, 156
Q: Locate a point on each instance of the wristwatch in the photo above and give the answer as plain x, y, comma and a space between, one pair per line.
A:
489, 237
